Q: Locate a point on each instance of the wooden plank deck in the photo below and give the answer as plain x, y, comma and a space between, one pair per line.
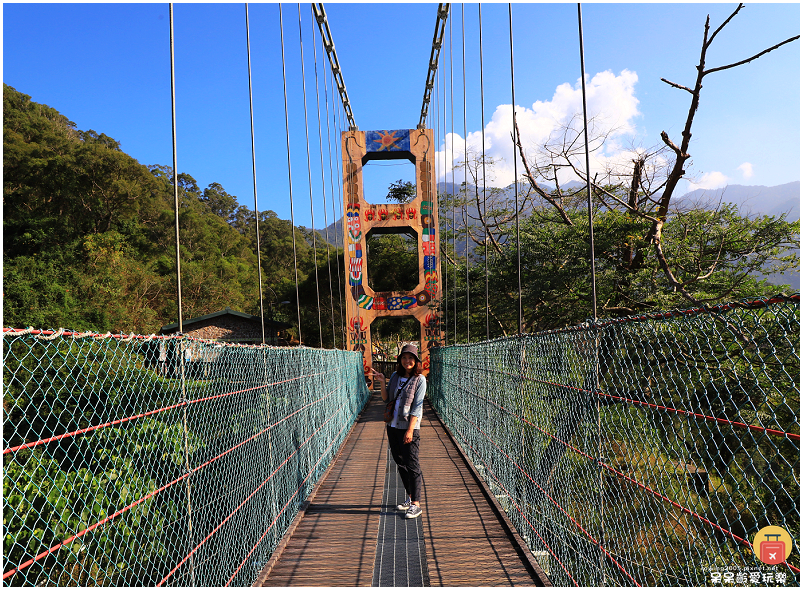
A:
468, 543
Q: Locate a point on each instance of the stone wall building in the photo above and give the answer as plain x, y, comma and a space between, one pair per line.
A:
229, 325
206, 362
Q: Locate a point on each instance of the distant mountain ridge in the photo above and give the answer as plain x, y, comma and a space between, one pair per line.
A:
750, 200
754, 199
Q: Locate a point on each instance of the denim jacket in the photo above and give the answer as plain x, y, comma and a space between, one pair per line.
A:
400, 419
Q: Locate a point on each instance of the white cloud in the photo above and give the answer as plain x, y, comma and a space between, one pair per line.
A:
709, 181
747, 169
611, 102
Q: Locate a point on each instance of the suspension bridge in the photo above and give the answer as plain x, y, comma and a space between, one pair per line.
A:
645, 450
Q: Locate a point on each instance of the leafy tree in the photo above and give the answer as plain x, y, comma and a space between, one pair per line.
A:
393, 263
402, 191
220, 202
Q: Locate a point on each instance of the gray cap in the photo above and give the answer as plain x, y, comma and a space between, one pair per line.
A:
410, 349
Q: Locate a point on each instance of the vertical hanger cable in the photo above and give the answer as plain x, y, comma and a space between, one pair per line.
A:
289, 164
465, 210
453, 188
255, 185
180, 305
337, 130
516, 179
443, 132
324, 201
595, 382
308, 164
588, 177
483, 164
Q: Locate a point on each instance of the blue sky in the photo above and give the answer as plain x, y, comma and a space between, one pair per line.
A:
106, 67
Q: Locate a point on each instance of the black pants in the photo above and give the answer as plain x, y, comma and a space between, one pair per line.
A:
407, 458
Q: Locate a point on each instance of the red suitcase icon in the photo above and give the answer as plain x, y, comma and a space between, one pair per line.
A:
773, 552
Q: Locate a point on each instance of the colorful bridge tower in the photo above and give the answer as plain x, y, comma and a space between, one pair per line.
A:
420, 216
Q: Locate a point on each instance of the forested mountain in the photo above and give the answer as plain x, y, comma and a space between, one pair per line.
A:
89, 238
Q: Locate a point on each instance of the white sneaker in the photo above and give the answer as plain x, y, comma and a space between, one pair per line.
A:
414, 511
405, 505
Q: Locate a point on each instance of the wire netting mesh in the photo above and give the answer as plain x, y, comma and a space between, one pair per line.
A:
144, 462
647, 450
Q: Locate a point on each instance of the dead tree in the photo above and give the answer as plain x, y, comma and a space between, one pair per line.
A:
655, 173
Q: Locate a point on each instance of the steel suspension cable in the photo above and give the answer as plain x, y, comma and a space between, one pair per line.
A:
264, 457
443, 131
483, 164
255, 185
516, 179
430, 118
438, 33
596, 364
336, 77
588, 176
178, 275
324, 201
289, 164
465, 215
175, 169
337, 155
308, 164
453, 187
443, 243
336, 69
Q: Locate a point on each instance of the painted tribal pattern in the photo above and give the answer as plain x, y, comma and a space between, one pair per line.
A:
356, 264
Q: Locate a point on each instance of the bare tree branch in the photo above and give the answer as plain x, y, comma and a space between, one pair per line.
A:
749, 59
446, 255
674, 147
671, 277
532, 179
489, 235
713, 266
610, 195
727, 20
495, 318
689, 90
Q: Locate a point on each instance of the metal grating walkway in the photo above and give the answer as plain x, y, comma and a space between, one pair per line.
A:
400, 558
337, 542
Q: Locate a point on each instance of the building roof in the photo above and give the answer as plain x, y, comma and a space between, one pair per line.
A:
223, 312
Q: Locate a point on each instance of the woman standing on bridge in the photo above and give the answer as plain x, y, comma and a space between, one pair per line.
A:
407, 387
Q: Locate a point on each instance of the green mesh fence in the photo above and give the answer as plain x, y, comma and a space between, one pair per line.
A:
642, 451
133, 461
